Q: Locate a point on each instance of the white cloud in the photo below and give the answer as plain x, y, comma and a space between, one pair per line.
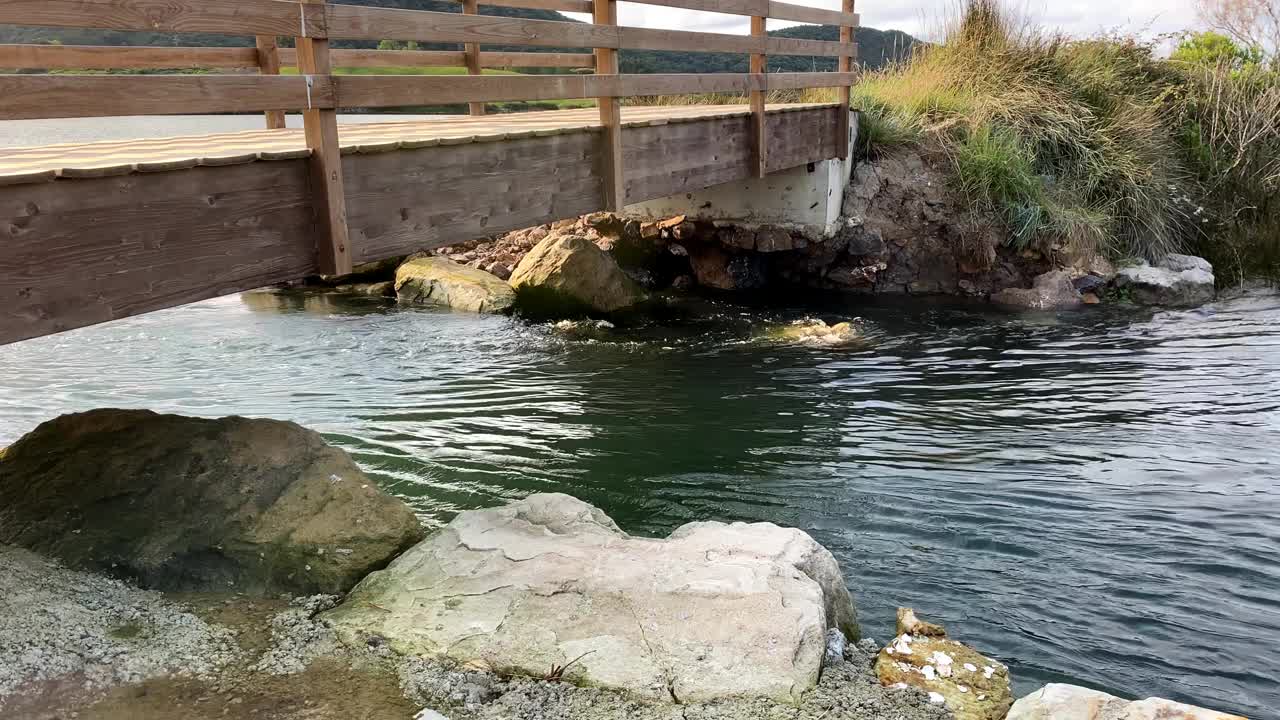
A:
1078, 18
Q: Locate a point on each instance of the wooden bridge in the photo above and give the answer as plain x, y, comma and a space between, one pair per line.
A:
97, 231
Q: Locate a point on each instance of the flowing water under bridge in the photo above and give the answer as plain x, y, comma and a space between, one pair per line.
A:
99, 231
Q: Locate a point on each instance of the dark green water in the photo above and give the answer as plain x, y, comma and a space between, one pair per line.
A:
1090, 497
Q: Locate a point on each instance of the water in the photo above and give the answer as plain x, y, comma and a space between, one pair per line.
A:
1091, 497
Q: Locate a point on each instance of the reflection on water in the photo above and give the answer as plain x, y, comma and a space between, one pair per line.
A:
1091, 497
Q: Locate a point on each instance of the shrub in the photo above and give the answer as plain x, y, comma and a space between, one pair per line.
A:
1094, 145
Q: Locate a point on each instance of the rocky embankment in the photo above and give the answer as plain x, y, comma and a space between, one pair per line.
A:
156, 566
904, 231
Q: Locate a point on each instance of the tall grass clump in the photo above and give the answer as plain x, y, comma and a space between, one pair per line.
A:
1084, 146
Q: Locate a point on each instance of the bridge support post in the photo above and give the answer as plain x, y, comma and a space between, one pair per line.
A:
845, 65
605, 12
472, 50
327, 192
269, 64
760, 66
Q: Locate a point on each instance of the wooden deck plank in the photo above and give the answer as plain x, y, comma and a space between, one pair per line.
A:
33, 161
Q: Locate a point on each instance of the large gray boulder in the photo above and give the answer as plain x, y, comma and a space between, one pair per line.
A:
440, 281
1178, 280
566, 274
550, 583
1069, 702
183, 503
1049, 291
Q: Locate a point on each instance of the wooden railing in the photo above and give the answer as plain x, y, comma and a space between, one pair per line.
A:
319, 93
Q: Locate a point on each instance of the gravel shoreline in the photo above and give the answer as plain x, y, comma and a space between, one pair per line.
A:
84, 644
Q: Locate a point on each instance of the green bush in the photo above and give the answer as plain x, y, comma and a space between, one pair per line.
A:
1094, 145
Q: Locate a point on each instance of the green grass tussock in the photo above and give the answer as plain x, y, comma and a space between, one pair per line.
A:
1090, 146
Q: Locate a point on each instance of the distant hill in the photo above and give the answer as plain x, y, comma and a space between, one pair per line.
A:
875, 46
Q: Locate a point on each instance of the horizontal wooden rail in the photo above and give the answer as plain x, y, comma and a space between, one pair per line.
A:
447, 58
354, 22
399, 90
55, 96
762, 8
106, 57
227, 17
578, 6
62, 96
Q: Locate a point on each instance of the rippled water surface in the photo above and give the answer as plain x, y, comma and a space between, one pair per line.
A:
1091, 497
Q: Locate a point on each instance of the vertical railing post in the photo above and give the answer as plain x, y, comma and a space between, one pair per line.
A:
321, 126
845, 65
759, 65
605, 12
269, 64
472, 50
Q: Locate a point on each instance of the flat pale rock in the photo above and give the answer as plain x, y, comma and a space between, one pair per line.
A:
193, 504
1178, 280
547, 582
440, 281
1057, 701
970, 684
567, 273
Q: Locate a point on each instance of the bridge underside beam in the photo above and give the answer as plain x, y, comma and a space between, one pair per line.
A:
89, 250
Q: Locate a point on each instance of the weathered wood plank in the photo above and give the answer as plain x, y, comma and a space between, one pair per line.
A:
103, 57
80, 252
357, 22
472, 53
729, 7
397, 91
418, 199
328, 197
844, 65
227, 17
537, 59
269, 64
805, 14
578, 6
800, 80
759, 65
611, 161
633, 38
447, 58
821, 48
669, 159
59, 96
801, 137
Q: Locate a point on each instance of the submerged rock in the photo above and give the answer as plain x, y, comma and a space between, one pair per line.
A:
549, 586
813, 331
183, 503
1053, 290
1069, 702
1178, 280
567, 274
970, 684
440, 281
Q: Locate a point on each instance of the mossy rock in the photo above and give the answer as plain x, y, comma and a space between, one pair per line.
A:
972, 685
440, 281
567, 275
193, 504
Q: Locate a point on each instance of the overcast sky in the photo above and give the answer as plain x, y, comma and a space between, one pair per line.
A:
918, 17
